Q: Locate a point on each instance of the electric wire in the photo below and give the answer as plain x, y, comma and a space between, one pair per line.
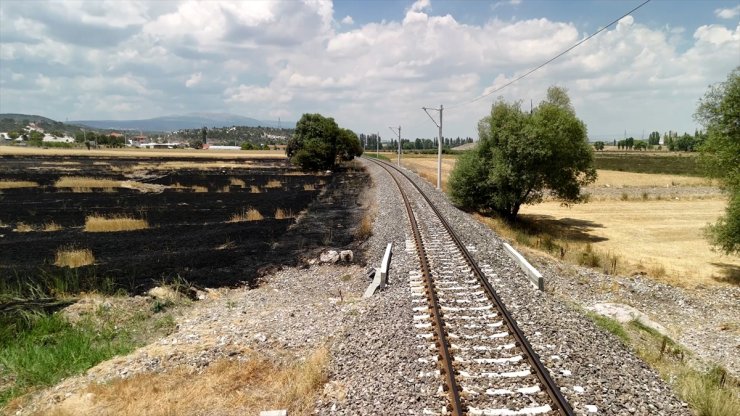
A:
531, 71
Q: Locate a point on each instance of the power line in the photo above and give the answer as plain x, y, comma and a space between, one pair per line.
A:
553, 58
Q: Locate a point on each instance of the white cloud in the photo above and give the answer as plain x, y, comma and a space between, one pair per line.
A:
194, 80
283, 58
255, 94
729, 13
420, 5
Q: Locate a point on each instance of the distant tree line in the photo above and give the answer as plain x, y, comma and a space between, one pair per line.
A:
370, 142
671, 141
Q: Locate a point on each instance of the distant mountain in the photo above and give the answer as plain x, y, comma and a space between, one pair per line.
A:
181, 122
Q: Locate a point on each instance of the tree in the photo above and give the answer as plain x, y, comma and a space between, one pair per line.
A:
319, 143
719, 113
36, 138
520, 155
685, 143
599, 145
654, 138
348, 145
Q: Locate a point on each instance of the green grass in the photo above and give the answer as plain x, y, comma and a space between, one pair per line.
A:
52, 349
610, 325
57, 282
38, 350
708, 392
640, 162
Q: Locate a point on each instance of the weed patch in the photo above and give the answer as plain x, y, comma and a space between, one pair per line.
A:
100, 224
5, 184
237, 182
281, 214
86, 184
22, 227
709, 392
274, 183
51, 227
73, 257
249, 214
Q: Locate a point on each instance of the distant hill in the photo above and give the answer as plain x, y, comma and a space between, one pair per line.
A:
16, 122
182, 122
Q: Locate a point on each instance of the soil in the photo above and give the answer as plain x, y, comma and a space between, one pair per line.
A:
189, 235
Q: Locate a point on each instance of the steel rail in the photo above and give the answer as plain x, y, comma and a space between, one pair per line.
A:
445, 362
561, 404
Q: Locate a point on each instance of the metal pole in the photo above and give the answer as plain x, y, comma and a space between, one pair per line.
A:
377, 146
439, 151
399, 142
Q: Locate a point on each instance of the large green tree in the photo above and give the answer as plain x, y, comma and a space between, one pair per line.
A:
319, 143
719, 113
520, 155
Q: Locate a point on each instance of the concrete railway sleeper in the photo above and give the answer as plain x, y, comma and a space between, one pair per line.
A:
486, 365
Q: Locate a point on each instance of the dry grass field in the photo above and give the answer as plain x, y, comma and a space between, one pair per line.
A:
426, 166
662, 237
226, 387
132, 152
611, 178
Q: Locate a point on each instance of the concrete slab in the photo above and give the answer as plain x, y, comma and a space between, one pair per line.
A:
625, 313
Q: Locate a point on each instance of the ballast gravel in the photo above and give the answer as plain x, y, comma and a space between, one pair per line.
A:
371, 359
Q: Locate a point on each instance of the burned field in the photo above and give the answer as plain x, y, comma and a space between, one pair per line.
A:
92, 223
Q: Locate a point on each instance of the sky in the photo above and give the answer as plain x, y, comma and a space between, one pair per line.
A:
369, 64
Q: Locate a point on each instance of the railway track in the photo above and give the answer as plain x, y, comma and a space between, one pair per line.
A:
485, 363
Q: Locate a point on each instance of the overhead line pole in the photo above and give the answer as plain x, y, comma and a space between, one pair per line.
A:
399, 142
439, 144
377, 146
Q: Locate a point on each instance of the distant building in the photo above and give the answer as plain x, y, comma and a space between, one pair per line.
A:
215, 147
153, 145
136, 141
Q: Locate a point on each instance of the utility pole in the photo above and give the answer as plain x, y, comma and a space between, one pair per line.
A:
377, 146
439, 147
399, 143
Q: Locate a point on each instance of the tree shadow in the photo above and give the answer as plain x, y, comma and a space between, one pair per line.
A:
566, 228
730, 273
